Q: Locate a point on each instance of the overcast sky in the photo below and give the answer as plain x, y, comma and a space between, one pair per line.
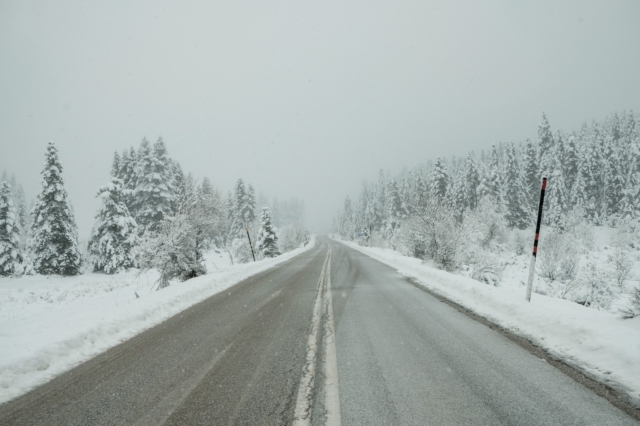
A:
300, 98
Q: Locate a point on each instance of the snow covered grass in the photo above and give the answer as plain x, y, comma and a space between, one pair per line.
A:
595, 269
598, 342
49, 324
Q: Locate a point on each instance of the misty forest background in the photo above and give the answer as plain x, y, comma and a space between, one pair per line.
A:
475, 215
153, 216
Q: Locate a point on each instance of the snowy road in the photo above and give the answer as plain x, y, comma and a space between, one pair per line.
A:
330, 337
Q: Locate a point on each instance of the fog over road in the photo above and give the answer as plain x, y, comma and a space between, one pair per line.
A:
330, 337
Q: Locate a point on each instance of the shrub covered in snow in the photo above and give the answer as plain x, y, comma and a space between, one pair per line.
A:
558, 256
633, 310
434, 234
176, 248
596, 292
622, 264
240, 251
172, 251
292, 236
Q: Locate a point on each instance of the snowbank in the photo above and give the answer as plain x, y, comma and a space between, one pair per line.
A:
598, 343
50, 324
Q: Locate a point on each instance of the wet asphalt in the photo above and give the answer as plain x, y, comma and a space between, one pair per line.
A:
403, 358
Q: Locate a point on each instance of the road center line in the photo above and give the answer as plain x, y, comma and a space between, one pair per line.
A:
302, 412
332, 396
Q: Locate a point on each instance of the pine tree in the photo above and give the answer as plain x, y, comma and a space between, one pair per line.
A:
421, 193
128, 175
614, 181
130, 178
381, 203
546, 145
590, 171
458, 195
276, 215
267, 238
240, 213
154, 187
10, 254
347, 223
366, 209
114, 235
557, 199
19, 203
439, 180
472, 181
628, 142
570, 161
483, 187
532, 176
180, 187
515, 194
54, 237
494, 179
395, 211
405, 190
250, 214
631, 195
577, 195
559, 149
116, 165
597, 170
240, 201
213, 205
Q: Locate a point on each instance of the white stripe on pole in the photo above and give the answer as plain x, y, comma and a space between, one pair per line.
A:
532, 268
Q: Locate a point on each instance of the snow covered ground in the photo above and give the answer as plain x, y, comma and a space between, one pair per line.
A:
50, 324
598, 342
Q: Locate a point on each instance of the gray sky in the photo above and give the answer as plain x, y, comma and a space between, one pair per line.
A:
300, 98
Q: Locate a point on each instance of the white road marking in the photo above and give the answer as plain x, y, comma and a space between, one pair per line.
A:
304, 403
302, 412
332, 396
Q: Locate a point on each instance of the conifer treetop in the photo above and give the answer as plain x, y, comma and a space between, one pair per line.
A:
54, 239
10, 253
115, 233
267, 237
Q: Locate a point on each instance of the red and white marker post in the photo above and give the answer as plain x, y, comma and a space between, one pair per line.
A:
535, 241
250, 245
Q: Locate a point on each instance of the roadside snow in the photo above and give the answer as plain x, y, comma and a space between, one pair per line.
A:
50, 324
598, 343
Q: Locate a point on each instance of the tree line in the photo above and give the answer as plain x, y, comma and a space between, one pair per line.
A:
152, 216
593, 173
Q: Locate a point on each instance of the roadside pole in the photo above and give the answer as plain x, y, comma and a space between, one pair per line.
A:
250, 245
532, 267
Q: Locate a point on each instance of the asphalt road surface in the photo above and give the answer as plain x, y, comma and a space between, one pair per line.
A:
330, 337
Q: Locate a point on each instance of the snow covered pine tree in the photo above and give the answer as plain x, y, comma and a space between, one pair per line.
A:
10, 255
267, 238
153, 196
115, 233
54, 236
